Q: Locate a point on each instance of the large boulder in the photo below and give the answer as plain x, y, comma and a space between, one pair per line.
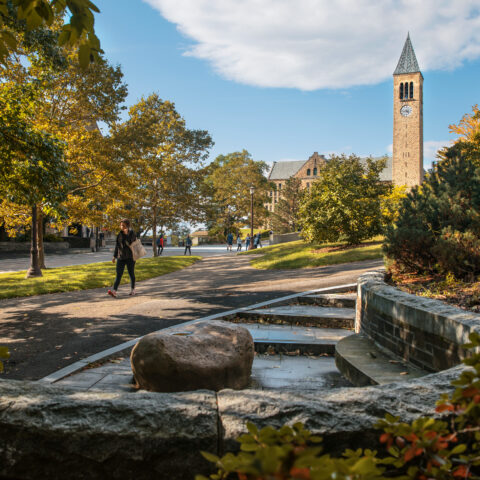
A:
204, 355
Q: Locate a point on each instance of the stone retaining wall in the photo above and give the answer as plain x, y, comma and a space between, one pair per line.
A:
57, 433
425, 332
24, 247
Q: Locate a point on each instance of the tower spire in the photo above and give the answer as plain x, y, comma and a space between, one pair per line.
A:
408, 61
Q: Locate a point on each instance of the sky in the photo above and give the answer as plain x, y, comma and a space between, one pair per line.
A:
286, 78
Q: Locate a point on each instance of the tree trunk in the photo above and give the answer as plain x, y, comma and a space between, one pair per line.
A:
154, 232
34, 270
41, 250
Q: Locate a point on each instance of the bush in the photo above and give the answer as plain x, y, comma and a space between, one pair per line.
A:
447, 447
438, 227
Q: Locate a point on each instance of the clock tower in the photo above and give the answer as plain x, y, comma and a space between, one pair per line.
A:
407, 119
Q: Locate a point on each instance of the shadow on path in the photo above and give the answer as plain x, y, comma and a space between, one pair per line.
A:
48, 332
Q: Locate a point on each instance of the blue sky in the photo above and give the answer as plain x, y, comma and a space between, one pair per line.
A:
285, 78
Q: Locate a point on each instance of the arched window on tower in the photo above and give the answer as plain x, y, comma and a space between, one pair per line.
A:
401, 91
405, 91
411, 89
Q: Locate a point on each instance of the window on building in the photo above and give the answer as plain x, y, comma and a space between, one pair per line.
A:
308, 185
271, 193
411, 89
401, 91
315, 171
279, 186
308, 172
405, 90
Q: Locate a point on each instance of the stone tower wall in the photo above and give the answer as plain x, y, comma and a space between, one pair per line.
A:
408, 132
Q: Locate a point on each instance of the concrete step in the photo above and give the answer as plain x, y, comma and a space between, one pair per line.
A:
275, 339
306, 315
346, 300
363, 363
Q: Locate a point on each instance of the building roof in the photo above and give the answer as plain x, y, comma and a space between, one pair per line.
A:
200, 233
386, 175
408, 61
284, 170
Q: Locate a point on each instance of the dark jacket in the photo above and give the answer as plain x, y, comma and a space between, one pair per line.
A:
122, 248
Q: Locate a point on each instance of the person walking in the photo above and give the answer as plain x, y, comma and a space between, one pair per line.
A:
239, 243
160, 244
247, 241
255, 241
229, 241
124, 257
259, 243
188, 245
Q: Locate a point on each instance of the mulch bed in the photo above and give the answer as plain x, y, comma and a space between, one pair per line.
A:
340, 248
465, 295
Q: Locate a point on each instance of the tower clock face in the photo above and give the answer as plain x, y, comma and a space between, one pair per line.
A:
406, 110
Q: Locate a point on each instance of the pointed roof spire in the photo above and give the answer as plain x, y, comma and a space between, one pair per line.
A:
408, 61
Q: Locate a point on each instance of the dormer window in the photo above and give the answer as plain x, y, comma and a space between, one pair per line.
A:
308, 172
279, 186
315, 172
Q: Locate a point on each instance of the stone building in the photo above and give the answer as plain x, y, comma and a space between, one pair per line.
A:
407, 119
306, 171
405, 167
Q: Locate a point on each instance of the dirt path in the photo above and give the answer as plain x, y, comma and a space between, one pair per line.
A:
48, 332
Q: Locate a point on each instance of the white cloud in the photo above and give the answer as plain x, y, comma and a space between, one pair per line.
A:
430, 149
313, 44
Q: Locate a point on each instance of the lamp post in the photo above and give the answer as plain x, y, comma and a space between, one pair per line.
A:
252, 191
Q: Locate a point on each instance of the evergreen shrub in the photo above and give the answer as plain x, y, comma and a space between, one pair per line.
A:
438, 227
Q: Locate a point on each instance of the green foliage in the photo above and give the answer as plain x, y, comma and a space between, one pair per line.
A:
285, 217
428, 448
32, 167
344, 203
438, 227
34, 14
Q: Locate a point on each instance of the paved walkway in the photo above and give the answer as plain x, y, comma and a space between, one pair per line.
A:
48, 332
15, 262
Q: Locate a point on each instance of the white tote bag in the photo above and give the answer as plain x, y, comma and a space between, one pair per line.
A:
137, 249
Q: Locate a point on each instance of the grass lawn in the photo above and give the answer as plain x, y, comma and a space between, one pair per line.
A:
300, 254
83, 277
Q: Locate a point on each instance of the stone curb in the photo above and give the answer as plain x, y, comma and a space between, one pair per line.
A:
77, 366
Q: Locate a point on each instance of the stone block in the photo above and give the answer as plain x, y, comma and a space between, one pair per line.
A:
206, 355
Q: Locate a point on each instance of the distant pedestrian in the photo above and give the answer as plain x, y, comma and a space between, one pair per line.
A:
188, 245
255, 241
229, 241
239, 243
259, 244
160, 244
124, 257
247, 241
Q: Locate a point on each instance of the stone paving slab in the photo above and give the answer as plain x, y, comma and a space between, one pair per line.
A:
294, 334
346, 300
363, 363
308, 315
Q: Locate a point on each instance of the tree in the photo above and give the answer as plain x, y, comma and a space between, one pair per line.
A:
70, 102
32, 167
226, 192
468, 128
438, 228
161, 157
344, 203
31, 15
285, 217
